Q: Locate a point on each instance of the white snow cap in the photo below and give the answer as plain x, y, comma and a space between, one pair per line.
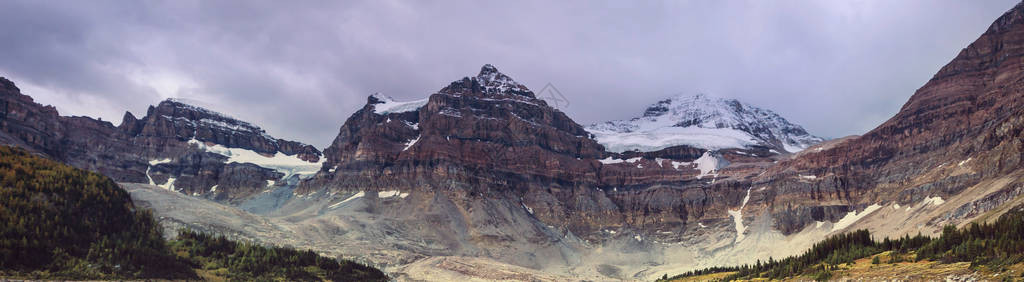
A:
702, 122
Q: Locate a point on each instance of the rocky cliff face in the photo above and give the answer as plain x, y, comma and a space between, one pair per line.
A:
178, 146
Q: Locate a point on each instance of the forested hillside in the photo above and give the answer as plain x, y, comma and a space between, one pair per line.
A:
58, 222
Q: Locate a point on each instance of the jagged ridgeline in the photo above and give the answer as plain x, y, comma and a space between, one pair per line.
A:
59, 222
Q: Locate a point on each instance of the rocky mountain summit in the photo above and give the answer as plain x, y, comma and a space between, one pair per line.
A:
176, 145
703, 122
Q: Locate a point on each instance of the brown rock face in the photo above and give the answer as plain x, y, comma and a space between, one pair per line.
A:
125, 152
27, 124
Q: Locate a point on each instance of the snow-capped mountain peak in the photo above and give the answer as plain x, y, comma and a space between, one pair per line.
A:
703, 122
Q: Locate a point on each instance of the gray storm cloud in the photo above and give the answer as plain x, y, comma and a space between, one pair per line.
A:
299, 69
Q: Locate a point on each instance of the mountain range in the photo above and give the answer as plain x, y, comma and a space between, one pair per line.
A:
483, 179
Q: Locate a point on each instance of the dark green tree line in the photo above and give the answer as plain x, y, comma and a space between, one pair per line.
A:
247, 261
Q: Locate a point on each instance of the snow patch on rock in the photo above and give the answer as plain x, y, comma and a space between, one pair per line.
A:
737, 217
169, 185
962, 163
853, 216
935, 201
708, 164
287, 164
353, 197
153, 163
528, 209
676, 164
411, 142
160, 161
392, 194
610, 160
389, 105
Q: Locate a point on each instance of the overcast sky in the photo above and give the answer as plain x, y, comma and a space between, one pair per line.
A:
299, 70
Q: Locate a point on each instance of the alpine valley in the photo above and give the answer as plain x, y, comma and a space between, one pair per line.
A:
482, 180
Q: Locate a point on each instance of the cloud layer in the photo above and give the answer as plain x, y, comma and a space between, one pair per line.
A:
300, 69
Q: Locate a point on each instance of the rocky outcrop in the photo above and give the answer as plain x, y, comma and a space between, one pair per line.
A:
27, 124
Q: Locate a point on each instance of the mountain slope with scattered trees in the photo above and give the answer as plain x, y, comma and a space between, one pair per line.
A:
994, 246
